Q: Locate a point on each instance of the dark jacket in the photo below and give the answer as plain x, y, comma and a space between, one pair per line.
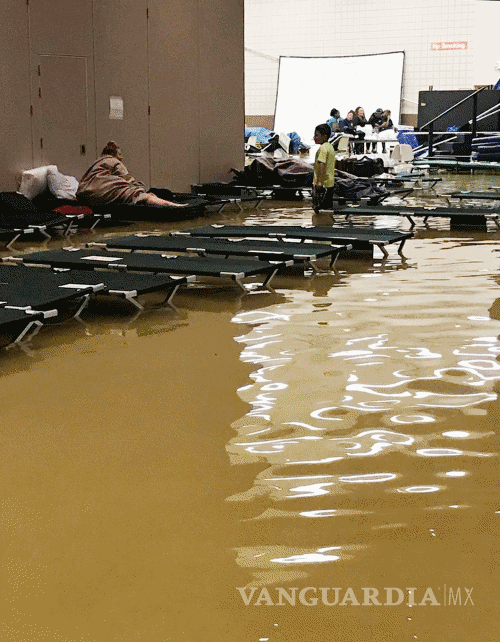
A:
357, 120
376, 119
347, 126
386, 125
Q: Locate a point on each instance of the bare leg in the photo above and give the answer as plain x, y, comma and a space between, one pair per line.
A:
152, 199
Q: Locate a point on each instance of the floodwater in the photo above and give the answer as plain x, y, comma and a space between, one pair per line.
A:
315, 463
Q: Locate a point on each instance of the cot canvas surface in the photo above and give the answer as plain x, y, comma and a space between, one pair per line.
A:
308, 88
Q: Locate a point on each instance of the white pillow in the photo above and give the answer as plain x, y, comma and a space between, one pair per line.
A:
62, 186
34, 181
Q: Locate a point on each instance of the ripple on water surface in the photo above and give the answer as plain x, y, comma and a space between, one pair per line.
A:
372, 407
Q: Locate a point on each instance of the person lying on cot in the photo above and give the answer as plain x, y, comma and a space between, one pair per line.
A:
108, 181
324, 169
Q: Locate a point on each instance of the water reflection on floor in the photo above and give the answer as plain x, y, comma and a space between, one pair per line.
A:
339, 433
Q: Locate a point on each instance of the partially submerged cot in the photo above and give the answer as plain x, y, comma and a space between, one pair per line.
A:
34, 286
265, 250
361, 239
234, 269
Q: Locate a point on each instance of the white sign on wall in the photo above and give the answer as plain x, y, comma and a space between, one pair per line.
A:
116, 108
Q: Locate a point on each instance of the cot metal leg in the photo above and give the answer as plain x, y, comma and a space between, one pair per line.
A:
412, 222
238, 281
12, 241
86, 299
36, 324
333, 260
400, 249
130, 296
310, 263
495, 218
268, 279
172, 293
69, 228
383, 250
42, 230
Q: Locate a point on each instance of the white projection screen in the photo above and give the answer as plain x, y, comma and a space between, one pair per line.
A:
308, 88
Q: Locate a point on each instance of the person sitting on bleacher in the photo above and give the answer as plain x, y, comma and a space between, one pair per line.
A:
334, 120
376, 120
386, 126
359, 122
346, 125
108, 181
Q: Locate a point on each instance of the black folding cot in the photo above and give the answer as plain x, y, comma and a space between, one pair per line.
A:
251, 192
374, 199
223, 200
190, 206
284, 192
11, 234
125, 285
41, 290
399, 179
93, 220
265, 250
236, 270
16, 323
489, 195
359, 238
458, 215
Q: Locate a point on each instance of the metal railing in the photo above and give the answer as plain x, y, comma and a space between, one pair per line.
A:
473, 121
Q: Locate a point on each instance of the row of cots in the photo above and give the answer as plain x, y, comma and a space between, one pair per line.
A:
139, 264
341, 206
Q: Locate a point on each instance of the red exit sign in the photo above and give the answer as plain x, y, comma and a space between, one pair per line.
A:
449, 46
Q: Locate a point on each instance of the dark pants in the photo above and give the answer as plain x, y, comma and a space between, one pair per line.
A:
322, 198
359, 146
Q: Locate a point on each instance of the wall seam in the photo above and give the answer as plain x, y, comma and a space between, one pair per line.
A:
30, 73
198, 34
95, 80
148, 68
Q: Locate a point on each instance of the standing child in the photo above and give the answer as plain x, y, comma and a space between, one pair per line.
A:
324, 169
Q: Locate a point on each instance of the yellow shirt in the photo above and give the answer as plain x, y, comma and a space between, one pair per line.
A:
325, 154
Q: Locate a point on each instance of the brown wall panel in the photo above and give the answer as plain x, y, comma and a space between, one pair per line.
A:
221, 82
260, 121
15, 125
64, 112
173, 90
185, 62
62, 27
121, 68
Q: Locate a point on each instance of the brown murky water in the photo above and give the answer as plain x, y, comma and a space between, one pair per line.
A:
340, 433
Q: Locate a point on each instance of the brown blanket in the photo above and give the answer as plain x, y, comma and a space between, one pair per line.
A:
108, 181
